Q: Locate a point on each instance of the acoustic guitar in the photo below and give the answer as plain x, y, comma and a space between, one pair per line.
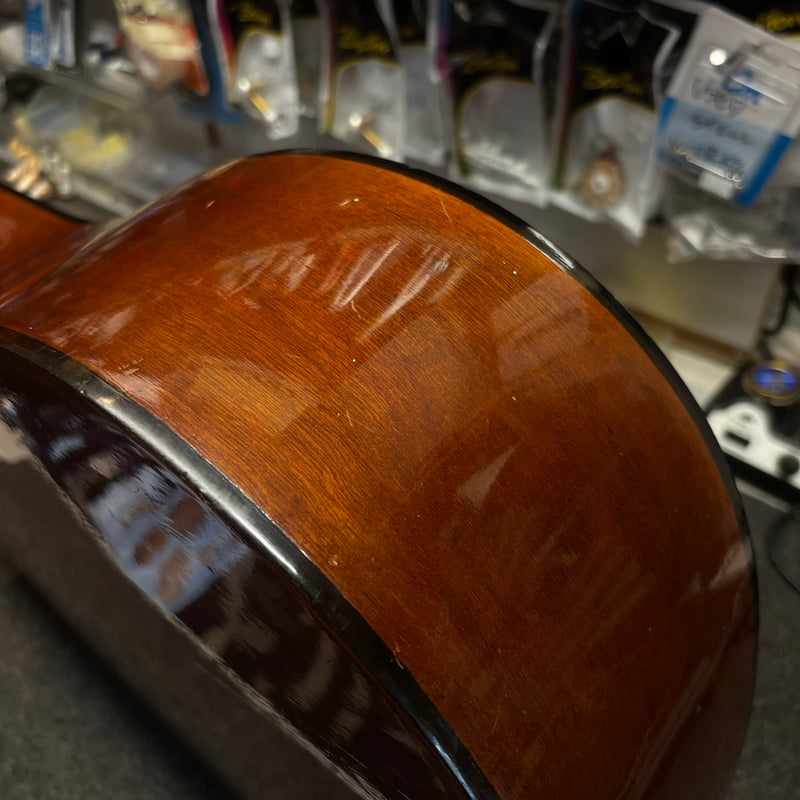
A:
373, 492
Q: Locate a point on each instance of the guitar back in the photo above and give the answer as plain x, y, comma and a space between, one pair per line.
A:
430, 441
33, 240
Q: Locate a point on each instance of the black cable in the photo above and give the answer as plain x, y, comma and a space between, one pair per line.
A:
779, 534
790, 296
763, 350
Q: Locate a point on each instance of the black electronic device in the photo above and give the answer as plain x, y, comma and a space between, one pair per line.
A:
756, 418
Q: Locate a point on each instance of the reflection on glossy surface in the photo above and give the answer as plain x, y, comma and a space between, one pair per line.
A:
470, 445
32, 242
163, 539
188, 560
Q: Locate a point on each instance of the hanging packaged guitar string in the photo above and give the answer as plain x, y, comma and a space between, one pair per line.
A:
606, 166
307, 42
424, 123
682, 16
490, 56
779, 17
255, 38
362, 92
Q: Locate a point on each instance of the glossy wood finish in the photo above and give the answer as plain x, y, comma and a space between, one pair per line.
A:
33, 241
463, 438
147, 523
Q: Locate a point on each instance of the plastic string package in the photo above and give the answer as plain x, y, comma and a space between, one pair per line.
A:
606, 168
307, 41
425, 139
254, 38
701, 225
362, 91
90, 149
733, 188
491, 58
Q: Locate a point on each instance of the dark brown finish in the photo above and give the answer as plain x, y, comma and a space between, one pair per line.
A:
470, 446
187, 560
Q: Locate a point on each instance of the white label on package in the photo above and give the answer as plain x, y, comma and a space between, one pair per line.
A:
732, 108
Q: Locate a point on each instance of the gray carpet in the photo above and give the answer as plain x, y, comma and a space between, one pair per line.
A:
769, 767
70, 729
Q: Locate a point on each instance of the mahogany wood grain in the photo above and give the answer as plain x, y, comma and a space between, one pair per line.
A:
33, 241
463, 438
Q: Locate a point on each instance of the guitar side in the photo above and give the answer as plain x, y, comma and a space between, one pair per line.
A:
442, 442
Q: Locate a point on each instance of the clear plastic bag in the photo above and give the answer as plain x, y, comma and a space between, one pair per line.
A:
491, 59
307, 43
363, 88
727, 139
607, 162
424, 123
256, 38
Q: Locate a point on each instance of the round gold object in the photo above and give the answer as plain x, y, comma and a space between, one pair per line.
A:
603, 184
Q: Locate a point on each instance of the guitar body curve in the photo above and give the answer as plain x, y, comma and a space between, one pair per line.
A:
317, 397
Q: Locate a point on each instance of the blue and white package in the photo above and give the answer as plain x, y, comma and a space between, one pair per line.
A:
50, 34
732, 108
37, 33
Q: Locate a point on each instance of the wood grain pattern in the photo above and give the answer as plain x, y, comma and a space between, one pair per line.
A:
33, 241
463, 438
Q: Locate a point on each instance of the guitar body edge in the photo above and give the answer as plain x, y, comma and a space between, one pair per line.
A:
523, 538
